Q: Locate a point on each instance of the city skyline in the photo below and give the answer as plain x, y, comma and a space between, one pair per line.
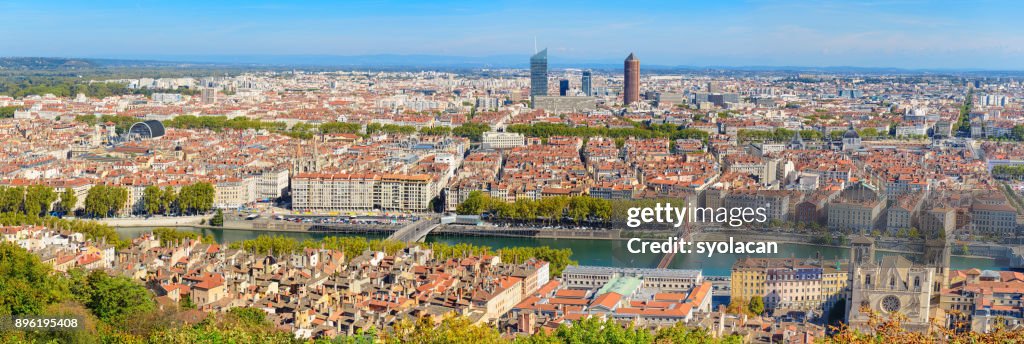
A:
897, 34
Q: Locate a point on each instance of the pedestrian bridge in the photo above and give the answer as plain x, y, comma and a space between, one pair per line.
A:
415, 231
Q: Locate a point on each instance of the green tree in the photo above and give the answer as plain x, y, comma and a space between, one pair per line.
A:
68, 201
104, 200
594, 330
38, 199
437, 131
423, 330
11, 198
739, 306
756, 305
170, 236
168, 199
152, 199
8, 111
250, 316
114, 298
27, 285
473, 131
474, 204
218, 219
196, 198
679, 333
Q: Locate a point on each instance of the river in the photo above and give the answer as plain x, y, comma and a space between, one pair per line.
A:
588, 251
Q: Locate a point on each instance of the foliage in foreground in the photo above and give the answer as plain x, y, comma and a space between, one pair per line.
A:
890, 329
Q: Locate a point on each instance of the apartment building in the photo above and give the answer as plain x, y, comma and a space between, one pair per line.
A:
985, 299
233, 193
322, 192
671, 280
789, 283
851, 214
502, 140
271, 184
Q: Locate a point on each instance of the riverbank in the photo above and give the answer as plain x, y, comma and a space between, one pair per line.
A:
891, 245
612, 253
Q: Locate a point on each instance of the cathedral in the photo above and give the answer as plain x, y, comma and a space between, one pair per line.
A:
897, 285
307, 163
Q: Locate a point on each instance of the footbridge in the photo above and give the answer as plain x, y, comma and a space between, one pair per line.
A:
415, 231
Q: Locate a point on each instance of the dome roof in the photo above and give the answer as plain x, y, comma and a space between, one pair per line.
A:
851, 134
147, 129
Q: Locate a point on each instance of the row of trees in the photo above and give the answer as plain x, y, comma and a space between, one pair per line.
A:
121, 123
669, 131
265, 244
218, 123
169, 236
192, 199
7, 111
557, 258
351, 246
551, 209
472, 131
63, 88
963, 124
93, 230
587, 330
776, 135
1008, 172
105, 200
783, 134
33, 200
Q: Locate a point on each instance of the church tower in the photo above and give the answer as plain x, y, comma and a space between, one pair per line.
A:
862, 251
936, 255
797, 143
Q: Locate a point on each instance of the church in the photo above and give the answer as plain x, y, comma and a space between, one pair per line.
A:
896, 284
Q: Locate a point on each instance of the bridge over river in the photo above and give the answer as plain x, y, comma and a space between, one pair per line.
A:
416, 231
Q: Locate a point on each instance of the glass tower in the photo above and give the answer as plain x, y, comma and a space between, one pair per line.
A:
539, 74
586, 83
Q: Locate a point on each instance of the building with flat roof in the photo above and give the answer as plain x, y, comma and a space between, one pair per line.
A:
631, 82
320, 192
564, 104
502, 140
661, 279
539, 74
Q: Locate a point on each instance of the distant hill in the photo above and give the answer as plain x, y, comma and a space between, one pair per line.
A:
64, 63
44, 63
223, 63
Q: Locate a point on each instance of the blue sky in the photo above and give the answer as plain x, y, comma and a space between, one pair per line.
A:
908, 34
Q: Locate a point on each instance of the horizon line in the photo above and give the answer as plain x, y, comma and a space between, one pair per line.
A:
199, 59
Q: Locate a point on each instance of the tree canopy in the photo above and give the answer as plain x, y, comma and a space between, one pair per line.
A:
105, 200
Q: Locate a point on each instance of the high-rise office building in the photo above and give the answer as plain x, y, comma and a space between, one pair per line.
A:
208, 95
539, 74
585, 83
563, 87
631, 84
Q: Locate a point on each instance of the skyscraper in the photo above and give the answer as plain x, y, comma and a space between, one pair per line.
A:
539, 74
631, 84
563, 87
586, 83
